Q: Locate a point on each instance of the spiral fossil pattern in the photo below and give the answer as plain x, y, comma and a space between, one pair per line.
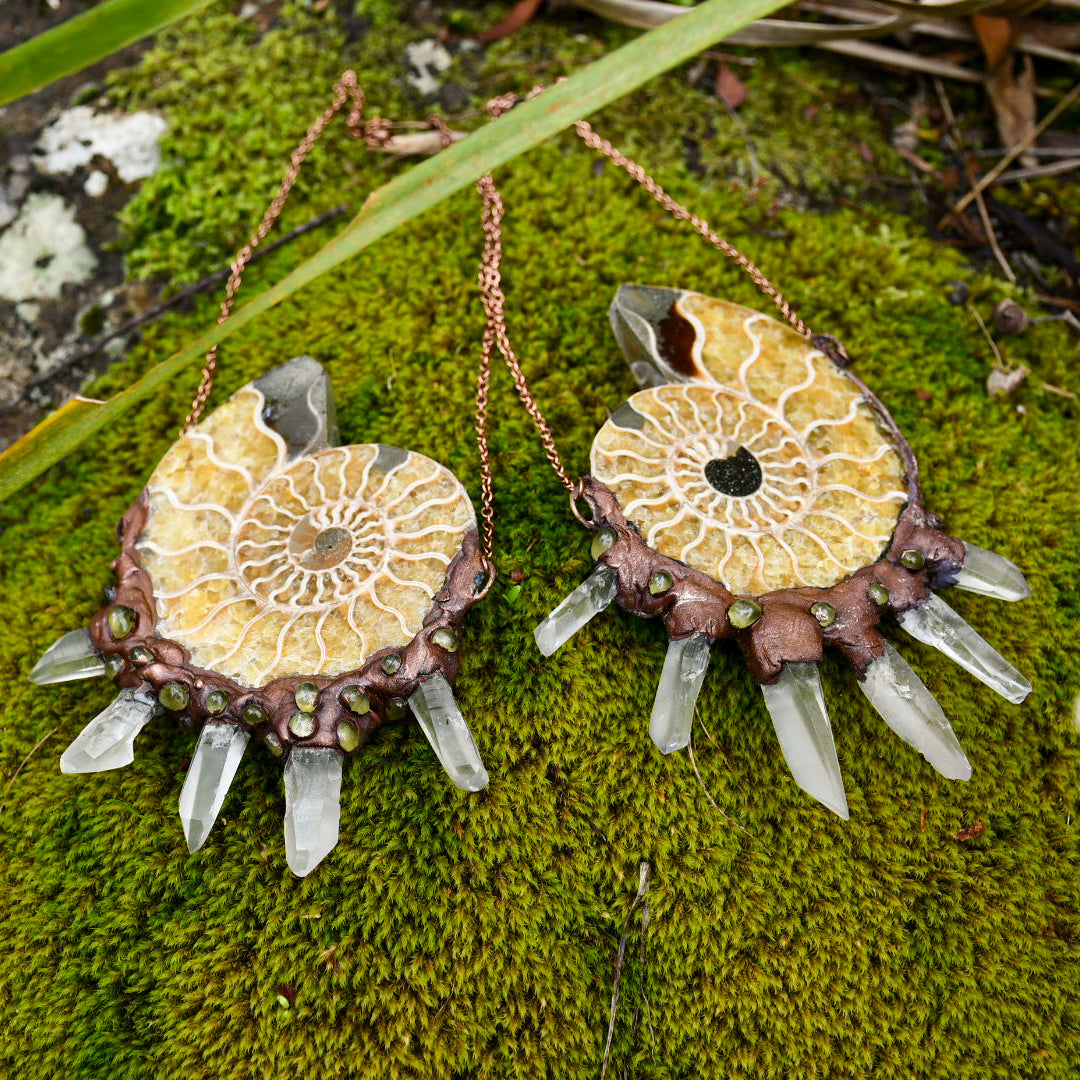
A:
768, 470
265, 566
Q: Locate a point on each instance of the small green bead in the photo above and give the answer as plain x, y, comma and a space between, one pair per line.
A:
396, 709
273, 744
356, 700
215, 701
173, 696
141, 655
114, 665
306, 695
879, 594
301, 724
445, 638
121, 621
660, 582
254, 714
348, 735
912, 559
824, 613
743, 613
391, 663
604, 539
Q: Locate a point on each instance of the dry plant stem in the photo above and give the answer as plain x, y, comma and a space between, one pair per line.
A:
620, 960
980, 202
167, 305
33, 750
708, 794
1010, 157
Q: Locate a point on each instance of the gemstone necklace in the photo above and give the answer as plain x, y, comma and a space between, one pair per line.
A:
276, 586
755, 489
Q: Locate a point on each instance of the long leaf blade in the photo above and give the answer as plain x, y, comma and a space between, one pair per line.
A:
411, 194
83, 40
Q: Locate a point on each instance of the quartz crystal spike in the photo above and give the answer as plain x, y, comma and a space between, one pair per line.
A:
107, 742
902, 701
590, 598
933, 622
67, 658
440, 719
312, 807
209, 776
680, 683
300, 405
991, 575
797, 707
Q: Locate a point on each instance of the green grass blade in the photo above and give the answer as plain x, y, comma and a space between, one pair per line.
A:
84, 39
409, 195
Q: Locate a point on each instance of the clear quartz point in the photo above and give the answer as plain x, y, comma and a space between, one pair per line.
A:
680, 683
933, 622
209, 776
108, 741
312, 806
991, 575
902, 701
590, 598
440, 719
797, 708
67, 658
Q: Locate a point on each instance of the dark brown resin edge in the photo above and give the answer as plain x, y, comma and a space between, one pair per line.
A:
787, 632
468, 578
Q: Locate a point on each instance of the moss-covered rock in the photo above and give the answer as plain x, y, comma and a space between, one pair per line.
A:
454, 935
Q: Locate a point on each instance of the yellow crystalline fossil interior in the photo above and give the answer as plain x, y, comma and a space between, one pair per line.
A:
264, 566
768, 471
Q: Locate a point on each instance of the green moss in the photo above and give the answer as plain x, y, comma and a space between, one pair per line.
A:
468, 936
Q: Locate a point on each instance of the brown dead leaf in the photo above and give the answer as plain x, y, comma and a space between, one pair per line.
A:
971, 832
995, 35
730, 89
517, 17
1010, 81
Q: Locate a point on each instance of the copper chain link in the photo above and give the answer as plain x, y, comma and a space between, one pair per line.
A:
701, 227
375, 133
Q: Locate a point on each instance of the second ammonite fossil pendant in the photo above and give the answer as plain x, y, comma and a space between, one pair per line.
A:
273, 585
757, 490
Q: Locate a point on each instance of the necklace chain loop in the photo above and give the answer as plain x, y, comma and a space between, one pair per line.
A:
376, 133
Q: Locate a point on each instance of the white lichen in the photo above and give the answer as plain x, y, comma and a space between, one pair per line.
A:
80, 134
43, 250
426, 61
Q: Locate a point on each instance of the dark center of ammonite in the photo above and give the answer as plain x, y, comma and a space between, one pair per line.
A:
737, 475
320, 549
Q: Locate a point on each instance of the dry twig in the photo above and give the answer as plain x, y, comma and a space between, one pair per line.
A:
961, 150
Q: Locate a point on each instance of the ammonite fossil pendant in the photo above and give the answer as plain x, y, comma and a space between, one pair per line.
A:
757, 490
274, 585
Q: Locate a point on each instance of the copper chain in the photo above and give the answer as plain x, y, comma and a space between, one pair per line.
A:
701, 227
495, 332
374, 133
